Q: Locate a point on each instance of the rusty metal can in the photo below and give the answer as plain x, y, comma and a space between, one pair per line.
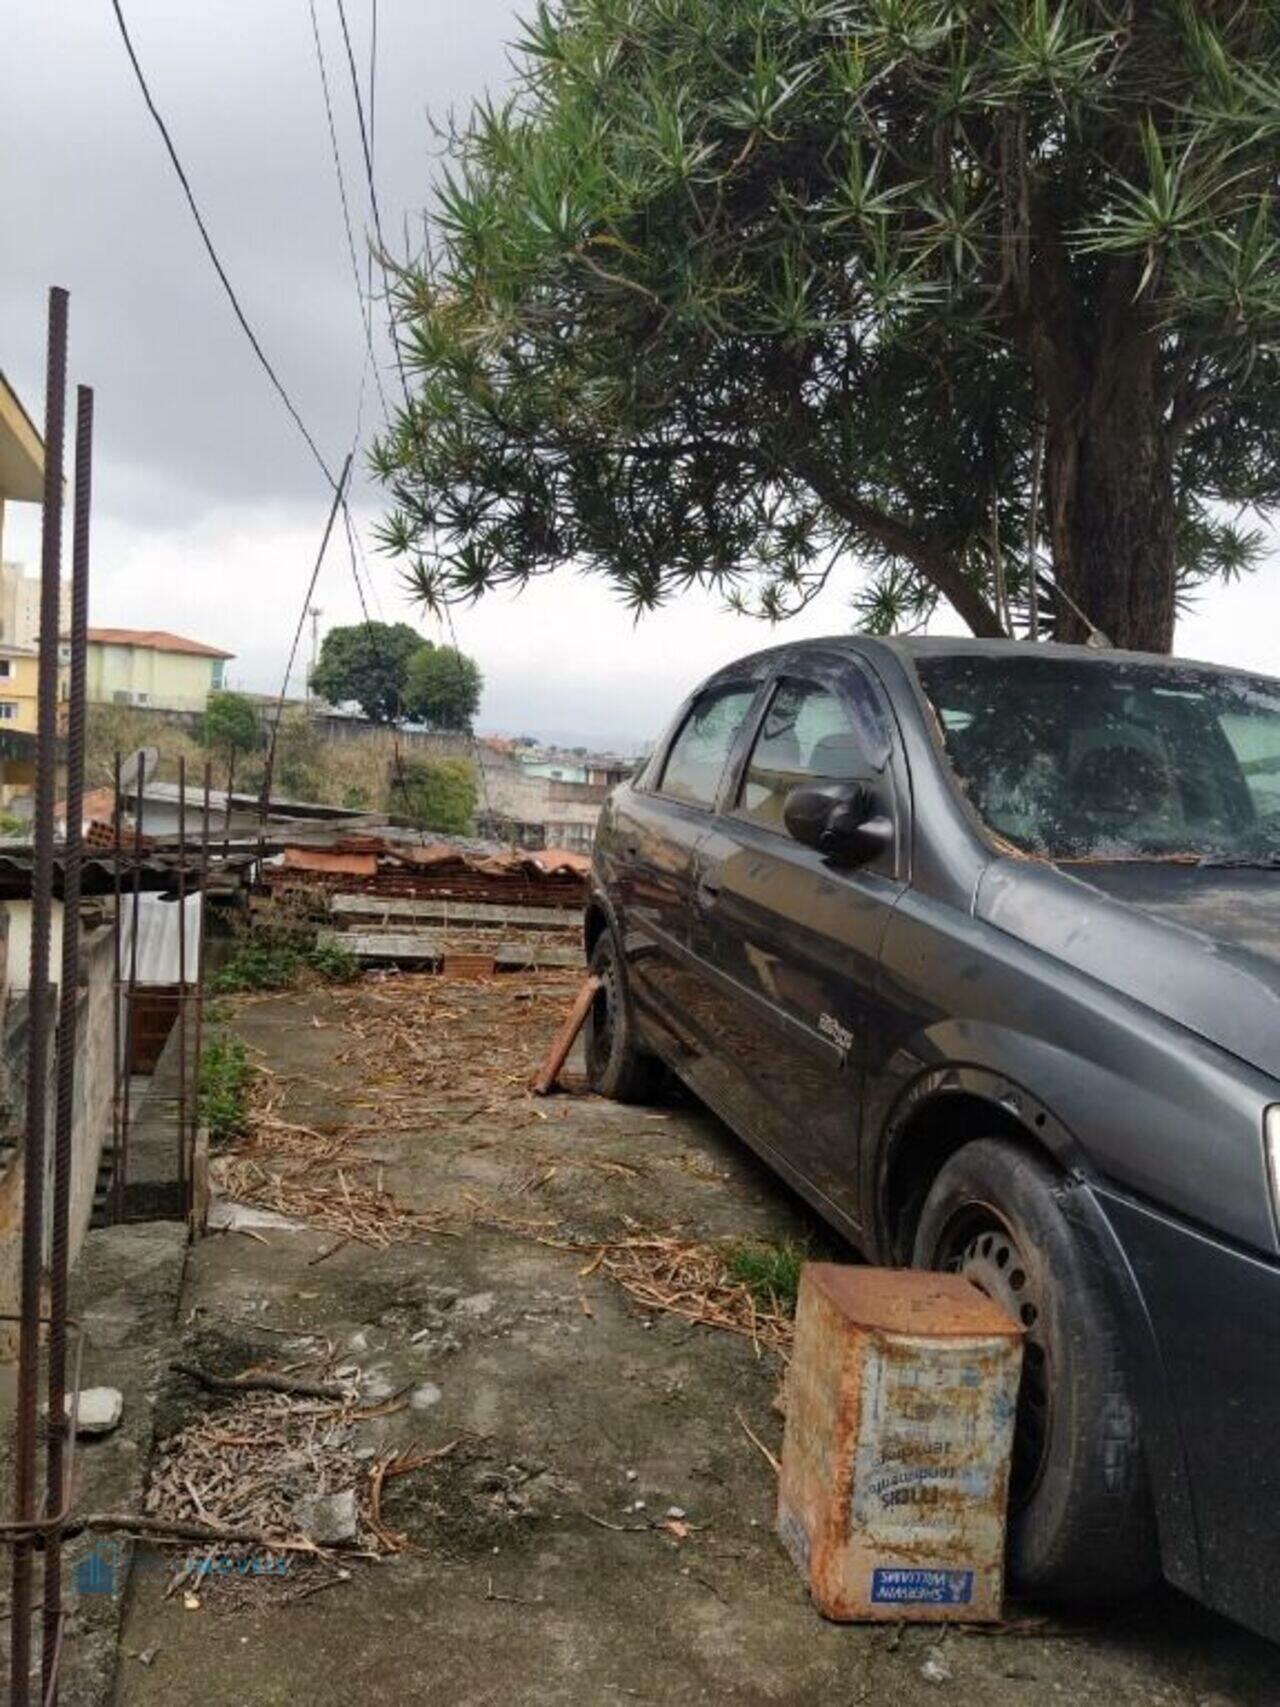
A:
901, 1399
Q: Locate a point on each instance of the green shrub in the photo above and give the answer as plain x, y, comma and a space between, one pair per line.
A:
226, 1075
436, 794
268, 961
332, 961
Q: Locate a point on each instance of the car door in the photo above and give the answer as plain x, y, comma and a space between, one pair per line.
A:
788, 944
659, 824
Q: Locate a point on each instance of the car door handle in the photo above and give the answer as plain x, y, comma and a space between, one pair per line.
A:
708, 889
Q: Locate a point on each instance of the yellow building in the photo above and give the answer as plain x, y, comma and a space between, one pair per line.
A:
21, 481
19, 687
152, 669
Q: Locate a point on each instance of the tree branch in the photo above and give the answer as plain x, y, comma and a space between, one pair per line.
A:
928, 557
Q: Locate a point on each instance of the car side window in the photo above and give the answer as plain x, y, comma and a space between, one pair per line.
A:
807, 736
697, 757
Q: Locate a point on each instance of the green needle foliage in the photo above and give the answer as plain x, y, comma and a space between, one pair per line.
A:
736, 292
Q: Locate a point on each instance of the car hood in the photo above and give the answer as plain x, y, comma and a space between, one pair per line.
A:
1198, 944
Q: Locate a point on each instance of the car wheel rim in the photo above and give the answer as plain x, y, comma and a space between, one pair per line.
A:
980, 1245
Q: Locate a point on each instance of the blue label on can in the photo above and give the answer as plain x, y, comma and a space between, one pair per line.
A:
889, 1584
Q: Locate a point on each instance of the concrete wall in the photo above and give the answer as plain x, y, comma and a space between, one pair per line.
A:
91, 1113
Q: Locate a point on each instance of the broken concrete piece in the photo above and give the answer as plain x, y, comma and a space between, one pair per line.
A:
228, 1216
327, 1518
99, 1411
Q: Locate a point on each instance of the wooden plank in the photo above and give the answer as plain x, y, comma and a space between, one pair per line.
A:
396, 909
575, 1019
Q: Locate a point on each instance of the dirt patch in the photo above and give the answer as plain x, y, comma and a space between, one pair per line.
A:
540, 1570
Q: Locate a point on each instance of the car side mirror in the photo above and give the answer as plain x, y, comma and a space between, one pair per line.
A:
840, 819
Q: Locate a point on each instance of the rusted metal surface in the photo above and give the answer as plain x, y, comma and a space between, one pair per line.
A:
69, 990
895, 1467
117, 1010
34, 1140
183, 1159
194, 1140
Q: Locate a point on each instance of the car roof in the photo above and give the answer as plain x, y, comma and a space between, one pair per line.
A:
909, 648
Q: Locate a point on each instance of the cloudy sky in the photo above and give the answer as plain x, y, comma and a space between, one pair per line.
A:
208, 506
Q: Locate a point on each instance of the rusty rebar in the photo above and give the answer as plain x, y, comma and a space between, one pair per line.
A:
130, 1016
184, 1178
200, 968
68, 1001
117, 1040
33, 1169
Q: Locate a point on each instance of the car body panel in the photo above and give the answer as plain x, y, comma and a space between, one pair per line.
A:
1125, 1019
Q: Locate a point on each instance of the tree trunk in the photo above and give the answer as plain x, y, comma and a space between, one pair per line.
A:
1109, 479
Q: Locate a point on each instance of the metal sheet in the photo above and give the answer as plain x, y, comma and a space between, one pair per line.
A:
158, 937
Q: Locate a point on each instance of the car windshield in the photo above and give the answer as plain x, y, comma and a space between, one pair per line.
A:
1110, 759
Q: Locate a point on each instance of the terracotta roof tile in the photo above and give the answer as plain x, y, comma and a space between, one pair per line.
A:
155, 640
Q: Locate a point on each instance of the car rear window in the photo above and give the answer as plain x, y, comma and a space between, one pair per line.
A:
697, 757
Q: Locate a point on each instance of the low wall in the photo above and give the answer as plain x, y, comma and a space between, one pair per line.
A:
90, 1120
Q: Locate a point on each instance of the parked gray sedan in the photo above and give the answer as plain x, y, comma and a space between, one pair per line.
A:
978, 943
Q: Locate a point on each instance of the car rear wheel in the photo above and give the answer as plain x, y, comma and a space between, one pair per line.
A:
1080, 1515
617, 1067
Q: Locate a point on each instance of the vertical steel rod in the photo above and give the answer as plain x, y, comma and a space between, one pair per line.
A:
117, 1039
184, 1176
38, 998
130, 1022
68, 1001
199, 967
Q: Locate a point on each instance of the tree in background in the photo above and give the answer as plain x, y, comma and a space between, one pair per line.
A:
442, 687
366, 664
231, 730
437, 794
731, 291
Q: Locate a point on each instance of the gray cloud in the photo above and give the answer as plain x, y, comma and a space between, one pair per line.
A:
208, 505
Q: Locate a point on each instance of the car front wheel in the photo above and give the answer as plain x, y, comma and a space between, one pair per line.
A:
1080, 1516
617, 1067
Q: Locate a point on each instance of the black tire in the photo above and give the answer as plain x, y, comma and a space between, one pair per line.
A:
616, 1065
1081, 1524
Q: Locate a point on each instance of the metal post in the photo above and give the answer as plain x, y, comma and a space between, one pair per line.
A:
200, 965
38, 998
117, 1040
68, 998
132, 986
184, 1178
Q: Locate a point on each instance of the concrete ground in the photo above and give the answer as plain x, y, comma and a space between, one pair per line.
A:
532, 1577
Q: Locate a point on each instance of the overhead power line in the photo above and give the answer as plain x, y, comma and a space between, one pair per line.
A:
221, 271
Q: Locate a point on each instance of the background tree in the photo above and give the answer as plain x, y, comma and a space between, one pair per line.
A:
437, 794
365, 663
731, 291
442, 687
231, 729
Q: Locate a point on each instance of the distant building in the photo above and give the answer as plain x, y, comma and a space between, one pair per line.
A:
549, 800
22, 482
152, 669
